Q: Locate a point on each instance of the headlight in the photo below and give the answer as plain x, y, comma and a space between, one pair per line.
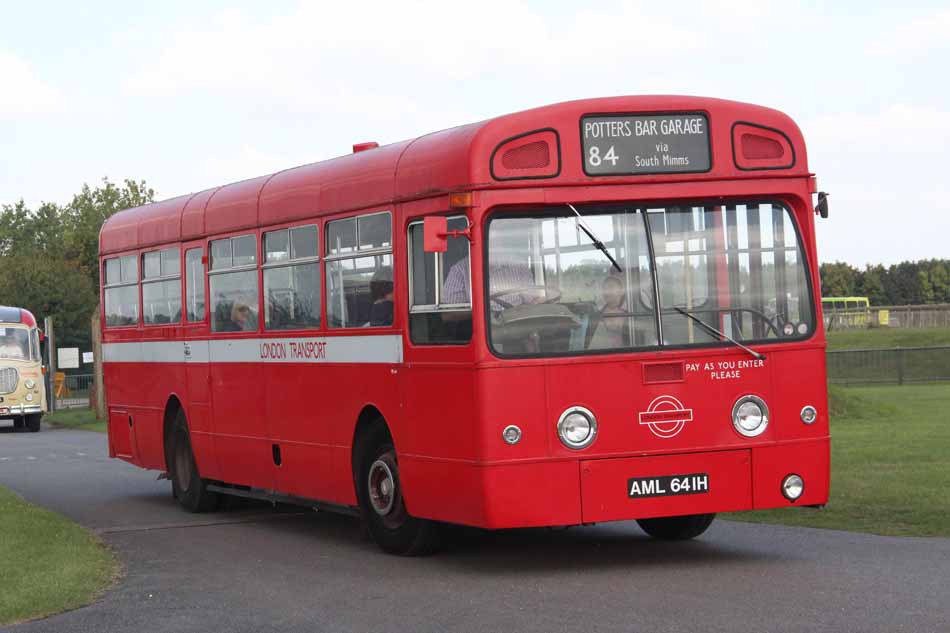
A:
809, 414
29, 383
577, 428
792, 487
750, 415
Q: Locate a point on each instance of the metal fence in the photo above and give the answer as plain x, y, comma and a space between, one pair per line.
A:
74, 391
919, 316
899, 365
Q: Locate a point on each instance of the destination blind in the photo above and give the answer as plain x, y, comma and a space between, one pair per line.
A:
645, 143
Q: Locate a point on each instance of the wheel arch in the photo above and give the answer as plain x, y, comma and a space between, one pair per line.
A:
172, 407
368, 416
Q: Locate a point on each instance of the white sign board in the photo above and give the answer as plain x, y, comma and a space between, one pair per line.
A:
87, 358
67, 358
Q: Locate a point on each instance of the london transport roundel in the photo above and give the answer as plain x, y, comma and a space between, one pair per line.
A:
666, 417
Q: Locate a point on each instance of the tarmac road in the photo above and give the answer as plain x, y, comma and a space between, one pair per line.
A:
253, 568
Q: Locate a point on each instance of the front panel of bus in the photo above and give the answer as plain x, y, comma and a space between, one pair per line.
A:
22, 391
683, 351
646, 350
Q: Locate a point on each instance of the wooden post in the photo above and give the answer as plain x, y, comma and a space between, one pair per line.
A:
99, 406
50, 363
900, 365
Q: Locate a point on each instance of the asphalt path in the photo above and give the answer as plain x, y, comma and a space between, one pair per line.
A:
255, 568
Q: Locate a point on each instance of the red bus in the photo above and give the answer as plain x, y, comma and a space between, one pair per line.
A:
591, 311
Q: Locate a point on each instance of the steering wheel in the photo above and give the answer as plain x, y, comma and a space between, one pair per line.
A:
553, 298
771, 326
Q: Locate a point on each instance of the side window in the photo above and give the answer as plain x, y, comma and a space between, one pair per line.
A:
161, 287
194, 286
35, 345
440, 289
121, 280
233, 284
291, 279
360, 271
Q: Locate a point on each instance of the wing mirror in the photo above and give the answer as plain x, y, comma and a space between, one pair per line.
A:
436, 234
822, 207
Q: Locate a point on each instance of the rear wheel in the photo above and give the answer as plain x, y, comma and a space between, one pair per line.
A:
187, 485
677, 528
33, 422
381, 503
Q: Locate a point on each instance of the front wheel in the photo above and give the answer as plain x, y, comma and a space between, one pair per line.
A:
33, 422
381, 502
187, 485
677, 528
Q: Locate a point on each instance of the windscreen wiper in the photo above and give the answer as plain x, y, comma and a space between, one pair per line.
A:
593, 238
709, 328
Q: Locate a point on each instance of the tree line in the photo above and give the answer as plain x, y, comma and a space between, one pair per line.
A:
49, 255
906, 283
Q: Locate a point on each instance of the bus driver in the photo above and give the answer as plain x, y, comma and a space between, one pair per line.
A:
503, 275
11, 348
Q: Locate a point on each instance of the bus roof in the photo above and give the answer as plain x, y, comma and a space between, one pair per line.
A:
844, 299
495, 153
17, 315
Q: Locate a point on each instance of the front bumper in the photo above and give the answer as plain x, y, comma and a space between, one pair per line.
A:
571, 492
21, 409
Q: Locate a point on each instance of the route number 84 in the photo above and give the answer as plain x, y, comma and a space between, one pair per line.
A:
594, 159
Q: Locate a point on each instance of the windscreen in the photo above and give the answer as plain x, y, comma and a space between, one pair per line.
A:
736, 268
14, 343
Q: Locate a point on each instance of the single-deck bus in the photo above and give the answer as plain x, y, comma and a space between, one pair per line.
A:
591, 311
22, 391
846, 311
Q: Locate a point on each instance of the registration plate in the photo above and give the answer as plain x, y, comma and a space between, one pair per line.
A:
666, 485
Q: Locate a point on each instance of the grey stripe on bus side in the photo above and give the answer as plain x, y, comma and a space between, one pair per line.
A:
385, 348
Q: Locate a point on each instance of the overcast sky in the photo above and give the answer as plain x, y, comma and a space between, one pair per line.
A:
188, 96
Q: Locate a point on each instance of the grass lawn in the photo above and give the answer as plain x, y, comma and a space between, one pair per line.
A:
84, 419
48, 563
874, 338
890, 464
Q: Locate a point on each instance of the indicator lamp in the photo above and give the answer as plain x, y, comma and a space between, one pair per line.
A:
809, 414
511, 434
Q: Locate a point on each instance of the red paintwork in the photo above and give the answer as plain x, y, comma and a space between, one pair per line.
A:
446, 406
26, 317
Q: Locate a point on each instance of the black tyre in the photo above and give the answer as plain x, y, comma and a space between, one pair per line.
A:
380, 497
33, 422
677, 528
187, 485
18, 423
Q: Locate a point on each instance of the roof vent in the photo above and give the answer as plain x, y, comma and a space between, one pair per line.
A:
759, 147
536, 154
362, 147
528, 156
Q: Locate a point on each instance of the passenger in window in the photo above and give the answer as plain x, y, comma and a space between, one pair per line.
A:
381, 291
241, 318
610, 332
